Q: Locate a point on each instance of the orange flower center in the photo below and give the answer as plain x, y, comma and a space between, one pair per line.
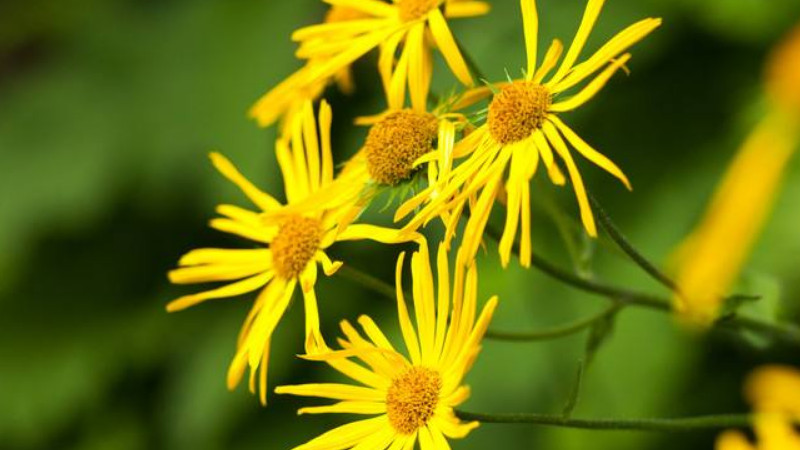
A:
295, 244
517, 111
412, 399
394, 143
415, 9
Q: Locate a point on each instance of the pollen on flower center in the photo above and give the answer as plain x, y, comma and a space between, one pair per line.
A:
412, 399
415, 9
517, 111
394, 143
295, 244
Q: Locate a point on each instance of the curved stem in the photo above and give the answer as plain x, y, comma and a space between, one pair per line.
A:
370, 282
553, 333
665, 425
786, 332
625, 245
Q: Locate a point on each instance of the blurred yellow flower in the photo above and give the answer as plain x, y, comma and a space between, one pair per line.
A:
332, 46
287, 99
411, 398
523, 127
291, 243
783, 73
712, 256
774, 392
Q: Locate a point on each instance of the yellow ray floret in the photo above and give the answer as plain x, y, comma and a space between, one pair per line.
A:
411, 396
774, 392
291, 243
403, 30
523, 130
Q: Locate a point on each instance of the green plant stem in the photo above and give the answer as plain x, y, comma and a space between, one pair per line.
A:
788, 333
368, 281
625, 245
471, 64
684, 424
552, 333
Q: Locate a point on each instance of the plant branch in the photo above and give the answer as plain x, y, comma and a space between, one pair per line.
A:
625, 245
553, 333
684, 424
781, 331
368, 281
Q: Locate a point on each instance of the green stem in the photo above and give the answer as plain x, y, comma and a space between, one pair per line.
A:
623, 296
553, 333
684, 424
368, 281
786, 332
471, 64
625, 245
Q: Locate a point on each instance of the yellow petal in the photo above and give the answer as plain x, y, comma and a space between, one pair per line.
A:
447, 45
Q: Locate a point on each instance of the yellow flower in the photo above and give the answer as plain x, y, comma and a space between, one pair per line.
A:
287, 99
523, 128
291, 242
712, 256
774, 392
333, 46
783, 71
412, 398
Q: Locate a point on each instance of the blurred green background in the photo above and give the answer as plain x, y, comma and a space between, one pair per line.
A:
109, 107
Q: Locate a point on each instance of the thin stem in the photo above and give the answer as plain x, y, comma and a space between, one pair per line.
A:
368, 281
786, 332
619, 294
683, 424
625, 245
471, 64
553, 333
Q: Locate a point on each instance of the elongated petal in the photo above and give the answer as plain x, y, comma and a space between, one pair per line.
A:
592, 88
530, 23
588, 152
587, 23
229, 171
347, 407
447, 45
334, 391
346, 436
577, 182
230, 290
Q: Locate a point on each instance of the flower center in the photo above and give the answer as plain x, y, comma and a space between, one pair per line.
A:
412, 399
293, 247
415, 9
517, 111
394, 143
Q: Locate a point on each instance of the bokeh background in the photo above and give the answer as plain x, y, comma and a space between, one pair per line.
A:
109, 107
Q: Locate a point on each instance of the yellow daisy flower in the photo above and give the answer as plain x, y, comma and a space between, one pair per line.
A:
287, 99
386, 25
291, 243
412, 398
523, 128
774, 392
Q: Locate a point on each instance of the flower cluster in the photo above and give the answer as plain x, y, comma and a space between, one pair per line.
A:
470, 163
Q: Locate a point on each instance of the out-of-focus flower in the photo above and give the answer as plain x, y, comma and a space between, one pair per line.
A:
291, 243
411, 27
411, 398
783, 75
713, 255
523, 128
774, 392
